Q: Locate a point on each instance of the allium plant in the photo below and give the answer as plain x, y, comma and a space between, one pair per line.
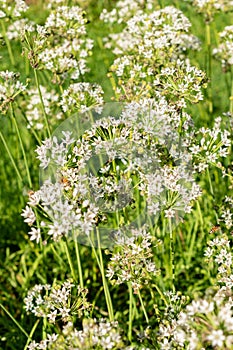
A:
224, 51
34, 111
211, 145
9, 9
96, 334
57, 302
210, 7
151, 53
92, 180
10, 88
79, 97
60, 45
133, 260
206, 321
121, 177
125, 9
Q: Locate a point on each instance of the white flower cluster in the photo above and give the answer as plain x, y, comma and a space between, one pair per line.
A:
224, 51
181, 82
34, 112
210, 7
18, 28
133, 262
116, 159
66, 45
10, 88
210, 145
206, 321
56, 302
96, 334
149, 48
218, 252
9, 9
148, 34
227, 212
124, 10
81, 97
60, 45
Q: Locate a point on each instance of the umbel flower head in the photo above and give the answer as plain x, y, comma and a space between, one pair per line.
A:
91, 180
210, 7
133, 262
151, 58
95, 334
57, 302
9, 8
208, 320
60, 45
10, 88
224, 51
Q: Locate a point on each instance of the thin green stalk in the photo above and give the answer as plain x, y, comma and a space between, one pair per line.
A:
209, 65
212, 191
143, 307
27, 66
10, 156
44, 327
78, 262
171, 255
14, 320
70, 260
42, 102
105, 284
21, 145
8, 44
210, 183
161, 294
31, 333
130, 311
231, 97
99, 260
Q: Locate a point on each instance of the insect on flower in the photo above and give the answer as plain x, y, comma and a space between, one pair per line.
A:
215, 229
65, 181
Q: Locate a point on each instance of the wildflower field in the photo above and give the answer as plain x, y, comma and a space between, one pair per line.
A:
116, 182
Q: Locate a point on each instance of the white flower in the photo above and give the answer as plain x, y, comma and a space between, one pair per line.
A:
29, 215
35, 234
169, 213
216, 338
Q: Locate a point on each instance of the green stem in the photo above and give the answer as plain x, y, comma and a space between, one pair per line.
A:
21, 145
27, 66
42, 102
143, 307
130, 311
161, 294
14, 320
231, 97
99, 260
212, 191
10, 156
106, 289
171, 255
8, 44
209, 65
31, 334
70, 260
210, 183
78, 262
